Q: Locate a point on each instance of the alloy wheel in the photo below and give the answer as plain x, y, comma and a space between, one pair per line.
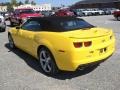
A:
45, 61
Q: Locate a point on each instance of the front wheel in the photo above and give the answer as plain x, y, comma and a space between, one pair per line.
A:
11, 42
118, 18
47, 61
3, 28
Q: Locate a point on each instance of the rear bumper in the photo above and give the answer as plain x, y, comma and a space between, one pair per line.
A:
82, 66
96, 60
71, 61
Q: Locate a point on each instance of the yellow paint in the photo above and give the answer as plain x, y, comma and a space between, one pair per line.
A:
56, 42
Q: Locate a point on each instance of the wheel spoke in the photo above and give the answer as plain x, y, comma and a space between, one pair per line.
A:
45, 66
49, 67
48, 59
44, 54
45, 60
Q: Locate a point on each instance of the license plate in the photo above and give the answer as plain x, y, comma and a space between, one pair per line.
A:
103, 50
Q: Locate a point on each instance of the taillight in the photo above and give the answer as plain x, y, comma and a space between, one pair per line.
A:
80, 44
77, 44
87, 44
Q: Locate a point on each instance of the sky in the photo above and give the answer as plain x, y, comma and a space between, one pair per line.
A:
53, 2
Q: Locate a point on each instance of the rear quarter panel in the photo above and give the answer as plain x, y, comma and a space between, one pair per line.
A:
57, 44
63, 50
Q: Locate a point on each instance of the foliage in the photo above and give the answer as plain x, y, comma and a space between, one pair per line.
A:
20, 3
27, 2
10, 8
33, 3
14, 2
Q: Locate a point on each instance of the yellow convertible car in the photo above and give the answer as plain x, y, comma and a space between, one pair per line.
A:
62, 43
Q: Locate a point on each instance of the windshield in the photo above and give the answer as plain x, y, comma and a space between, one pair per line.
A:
74, 24
26, 11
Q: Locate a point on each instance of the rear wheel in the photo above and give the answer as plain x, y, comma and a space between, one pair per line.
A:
11, 42
47, 61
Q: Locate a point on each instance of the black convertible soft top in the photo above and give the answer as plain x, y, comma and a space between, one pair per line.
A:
61, 24
55, 18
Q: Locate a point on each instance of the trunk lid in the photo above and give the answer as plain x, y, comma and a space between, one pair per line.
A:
87, 33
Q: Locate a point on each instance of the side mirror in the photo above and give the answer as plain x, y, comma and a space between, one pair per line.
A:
18, 27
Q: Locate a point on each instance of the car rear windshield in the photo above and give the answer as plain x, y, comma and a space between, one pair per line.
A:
65, 25
74, 24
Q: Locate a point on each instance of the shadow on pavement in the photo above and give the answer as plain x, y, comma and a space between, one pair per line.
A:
11, 26
2, 31
113, 19
33, 63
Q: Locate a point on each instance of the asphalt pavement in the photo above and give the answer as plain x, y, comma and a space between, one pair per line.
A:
20, 71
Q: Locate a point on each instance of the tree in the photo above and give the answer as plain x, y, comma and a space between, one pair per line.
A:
14, 2
27, 2
10, 8
33, 3
20, 3
62, 5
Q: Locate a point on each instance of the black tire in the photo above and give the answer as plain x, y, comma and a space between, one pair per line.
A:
2, 29
118, 18
11, 24
47, 62
20, 22
11, 42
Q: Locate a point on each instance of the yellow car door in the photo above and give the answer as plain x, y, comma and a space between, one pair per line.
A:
28, 31
16, 35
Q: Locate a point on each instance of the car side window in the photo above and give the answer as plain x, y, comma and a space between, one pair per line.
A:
31, 26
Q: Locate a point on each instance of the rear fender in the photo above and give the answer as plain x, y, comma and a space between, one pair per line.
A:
47, 44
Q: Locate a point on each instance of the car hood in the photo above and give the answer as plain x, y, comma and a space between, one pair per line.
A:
30, 15
87, 33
